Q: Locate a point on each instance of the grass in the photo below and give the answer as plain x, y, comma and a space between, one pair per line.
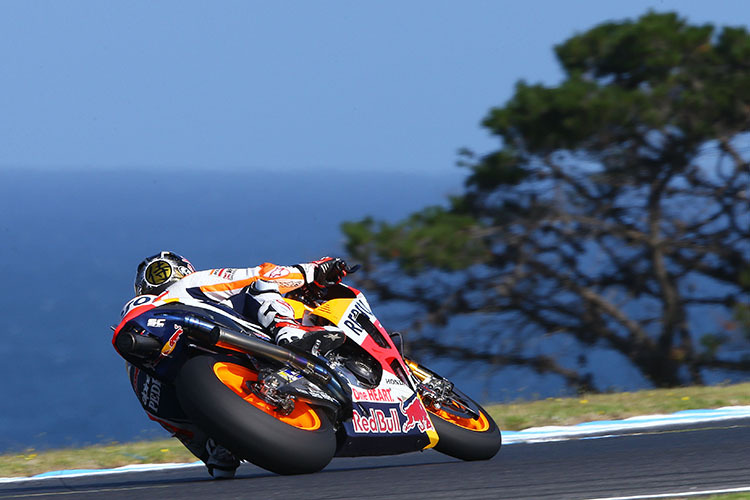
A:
513, 416
592, 407
31, 462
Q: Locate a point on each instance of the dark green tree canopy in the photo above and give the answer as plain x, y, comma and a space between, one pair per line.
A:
615, 213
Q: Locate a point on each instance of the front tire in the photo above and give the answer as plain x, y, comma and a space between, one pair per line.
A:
213, 392
466, 438
465, 429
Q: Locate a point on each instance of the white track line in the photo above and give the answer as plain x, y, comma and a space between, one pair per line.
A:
532, 435
558, 433
99, 472
678, 494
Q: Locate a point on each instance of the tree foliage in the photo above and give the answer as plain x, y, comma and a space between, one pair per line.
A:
614, 214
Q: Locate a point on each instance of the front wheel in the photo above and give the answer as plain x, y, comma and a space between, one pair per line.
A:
465, 429
214, 393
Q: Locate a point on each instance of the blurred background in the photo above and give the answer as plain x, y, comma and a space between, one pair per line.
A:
237, 133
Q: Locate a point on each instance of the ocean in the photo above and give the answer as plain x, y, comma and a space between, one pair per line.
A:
71, 241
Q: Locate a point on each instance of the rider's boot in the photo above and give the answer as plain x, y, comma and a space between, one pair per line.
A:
277, 315
318, 340
221, 463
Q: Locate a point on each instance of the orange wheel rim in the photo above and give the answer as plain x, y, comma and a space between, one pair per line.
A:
236, 377
479, 425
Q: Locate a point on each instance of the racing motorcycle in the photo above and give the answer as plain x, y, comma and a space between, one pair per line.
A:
291, 411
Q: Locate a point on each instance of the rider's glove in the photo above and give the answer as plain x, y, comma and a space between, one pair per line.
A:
329, 272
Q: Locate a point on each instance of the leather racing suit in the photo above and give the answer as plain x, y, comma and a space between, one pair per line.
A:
253, 293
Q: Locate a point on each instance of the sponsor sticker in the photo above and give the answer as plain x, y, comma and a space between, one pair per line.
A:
416, 415
393, 381
290, 284
151, 393
373, 395
172, 342
401, 417
223, 273
277, 272
377, 422
360, 307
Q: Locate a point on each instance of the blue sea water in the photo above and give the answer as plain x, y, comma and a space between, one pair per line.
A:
70, 244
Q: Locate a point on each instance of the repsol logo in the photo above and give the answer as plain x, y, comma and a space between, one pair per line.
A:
351, 321
362, 307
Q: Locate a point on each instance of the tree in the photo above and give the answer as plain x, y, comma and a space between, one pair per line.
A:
614, 214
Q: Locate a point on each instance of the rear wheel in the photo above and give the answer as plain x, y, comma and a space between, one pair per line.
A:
214, 393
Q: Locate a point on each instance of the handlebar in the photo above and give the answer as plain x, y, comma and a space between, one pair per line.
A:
349, 270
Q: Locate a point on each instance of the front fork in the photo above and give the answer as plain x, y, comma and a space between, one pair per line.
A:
438, 393
432, 388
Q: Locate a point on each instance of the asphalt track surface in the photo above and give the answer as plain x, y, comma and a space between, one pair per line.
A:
693, 458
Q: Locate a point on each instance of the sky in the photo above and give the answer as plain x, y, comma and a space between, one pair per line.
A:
379, 86
268, 87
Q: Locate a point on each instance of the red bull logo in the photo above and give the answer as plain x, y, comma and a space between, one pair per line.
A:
172, 342
416, 416
377, 422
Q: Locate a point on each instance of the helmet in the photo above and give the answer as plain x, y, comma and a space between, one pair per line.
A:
156, 273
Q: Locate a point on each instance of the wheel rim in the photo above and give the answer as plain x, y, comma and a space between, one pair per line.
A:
480, 424
236, 377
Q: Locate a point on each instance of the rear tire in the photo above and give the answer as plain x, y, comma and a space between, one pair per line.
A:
228, 412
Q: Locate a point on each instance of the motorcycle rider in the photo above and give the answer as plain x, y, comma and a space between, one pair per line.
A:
254, 293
